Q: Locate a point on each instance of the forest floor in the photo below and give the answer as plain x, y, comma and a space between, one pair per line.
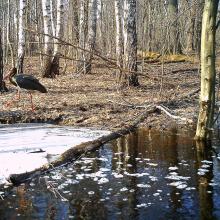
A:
94, 100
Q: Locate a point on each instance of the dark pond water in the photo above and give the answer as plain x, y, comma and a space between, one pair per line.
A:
145, 175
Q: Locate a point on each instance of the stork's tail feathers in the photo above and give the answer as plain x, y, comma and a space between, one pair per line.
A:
41, 88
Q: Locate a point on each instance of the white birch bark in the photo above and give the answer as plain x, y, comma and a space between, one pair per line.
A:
53, 26
48, 47
130, 42
82, 36
21, 36
60, 25
47, 26
208, 72
92, 24
119, 37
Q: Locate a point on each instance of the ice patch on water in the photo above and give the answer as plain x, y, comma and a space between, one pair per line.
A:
104, 169
152, 164
202, 172
190, 188
102, 159
156, 194
137, 158
173, 168
179, 184
119, 153
207, 161
142, 205
103, 180
153, 178
79, 176
141, 185
175, 176
124, 189
136, 174
117, 175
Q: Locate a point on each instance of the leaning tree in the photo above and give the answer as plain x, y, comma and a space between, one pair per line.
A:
208, 74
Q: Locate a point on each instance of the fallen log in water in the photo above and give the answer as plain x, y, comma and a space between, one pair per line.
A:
75, 152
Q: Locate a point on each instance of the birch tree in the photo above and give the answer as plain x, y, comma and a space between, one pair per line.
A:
119, 38
21, 36
59, 35
92, 24
82, 35
48, 47
173, 43
208, 74
1, 64
130, 43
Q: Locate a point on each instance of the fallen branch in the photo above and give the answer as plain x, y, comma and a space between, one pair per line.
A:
75, 152
165, 110
162, 108
185, 70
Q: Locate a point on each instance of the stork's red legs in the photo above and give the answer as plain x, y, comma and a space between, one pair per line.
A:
17, 98
32, 105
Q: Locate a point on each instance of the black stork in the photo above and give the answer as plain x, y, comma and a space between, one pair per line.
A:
24, 81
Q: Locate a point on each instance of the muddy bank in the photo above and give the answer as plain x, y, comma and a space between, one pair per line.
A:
94, 100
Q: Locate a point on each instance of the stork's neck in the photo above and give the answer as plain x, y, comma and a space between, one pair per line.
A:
12, 73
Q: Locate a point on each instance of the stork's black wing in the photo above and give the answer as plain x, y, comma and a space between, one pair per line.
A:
29, 82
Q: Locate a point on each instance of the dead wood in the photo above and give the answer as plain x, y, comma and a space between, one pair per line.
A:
185, 70
75, 152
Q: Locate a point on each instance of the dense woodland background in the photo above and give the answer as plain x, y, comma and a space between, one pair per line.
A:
122, 36
101, 26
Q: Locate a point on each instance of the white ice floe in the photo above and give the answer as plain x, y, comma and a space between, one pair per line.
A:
142, 205
204, 166
190, 188
156, 194
207, 161
80, 176
119, 153
141, 185
124, 189
153, 178
179, 184
173, 168
175, 176
202, 172
104, 169
103, 180
153, 164
117, 175
136, 174
104, 159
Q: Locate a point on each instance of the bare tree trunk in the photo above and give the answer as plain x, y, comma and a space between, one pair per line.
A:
8, 34
208, 74
190, 32
21, 36
59, 34
1, 64
82, 36
119, 39
53, 23
48, 47
173, 43
92, 24
130, 43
